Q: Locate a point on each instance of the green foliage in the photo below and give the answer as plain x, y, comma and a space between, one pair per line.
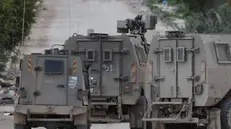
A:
14, 59
3, 59
216, 20
203, 16
11, 19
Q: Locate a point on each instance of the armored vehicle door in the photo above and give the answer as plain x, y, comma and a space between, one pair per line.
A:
175, 67
51, 80
111, 67
104, 55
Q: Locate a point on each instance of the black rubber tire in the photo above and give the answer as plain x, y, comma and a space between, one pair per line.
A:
21, 126
81, 127
225, 110
148, 125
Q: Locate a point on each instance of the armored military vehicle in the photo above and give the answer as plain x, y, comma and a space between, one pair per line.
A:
117, 69
188, 81
52, 92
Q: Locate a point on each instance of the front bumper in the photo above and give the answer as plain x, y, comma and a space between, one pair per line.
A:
41, 109
28, 111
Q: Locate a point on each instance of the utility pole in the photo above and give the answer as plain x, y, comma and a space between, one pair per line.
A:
23, 26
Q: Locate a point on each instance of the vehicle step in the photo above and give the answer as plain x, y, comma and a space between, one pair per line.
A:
167, 103
103, 103
105, 120
172, 120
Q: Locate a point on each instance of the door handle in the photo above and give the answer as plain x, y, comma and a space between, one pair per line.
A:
60, 86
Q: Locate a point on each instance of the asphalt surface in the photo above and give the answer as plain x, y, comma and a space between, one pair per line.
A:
59, 19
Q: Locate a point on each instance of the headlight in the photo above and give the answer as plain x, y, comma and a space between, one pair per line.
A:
93, 82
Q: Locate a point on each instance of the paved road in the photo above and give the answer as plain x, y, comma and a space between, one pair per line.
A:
59, 19
54, 24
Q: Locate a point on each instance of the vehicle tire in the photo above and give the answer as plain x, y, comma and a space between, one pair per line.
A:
148, 125
81, 127
225, 110
21, 126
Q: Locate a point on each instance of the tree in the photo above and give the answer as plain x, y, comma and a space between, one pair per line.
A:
11, 22
11, 18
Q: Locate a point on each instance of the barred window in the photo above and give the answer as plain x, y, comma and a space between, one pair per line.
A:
222, 52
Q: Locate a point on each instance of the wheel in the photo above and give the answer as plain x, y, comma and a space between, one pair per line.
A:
82, 127
180, 126
21, 126
225, 114
148, 125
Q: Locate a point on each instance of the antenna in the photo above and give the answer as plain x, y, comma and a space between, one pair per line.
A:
69, 9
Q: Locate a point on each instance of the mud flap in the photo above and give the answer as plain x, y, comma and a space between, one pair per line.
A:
214, 119
19, 119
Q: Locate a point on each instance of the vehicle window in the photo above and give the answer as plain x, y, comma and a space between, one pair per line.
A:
53, 67
140, 55
107, 55
223, 52
168, 52
90, 55
180, 54
143, 54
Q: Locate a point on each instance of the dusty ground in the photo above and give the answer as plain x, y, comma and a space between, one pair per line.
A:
54, 24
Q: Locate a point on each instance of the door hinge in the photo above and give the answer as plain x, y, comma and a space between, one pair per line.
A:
193, 78
194, 50
38, 68
158, 50
159, 78
121, 78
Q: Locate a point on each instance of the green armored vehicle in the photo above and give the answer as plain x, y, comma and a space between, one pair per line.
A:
117, 70
188, 81
52, 92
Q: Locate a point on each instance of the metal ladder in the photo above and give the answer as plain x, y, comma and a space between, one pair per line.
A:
153, 113
102, 117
